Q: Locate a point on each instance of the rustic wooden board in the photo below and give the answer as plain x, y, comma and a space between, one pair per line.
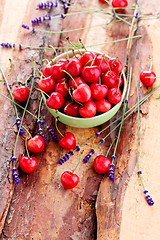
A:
40, 207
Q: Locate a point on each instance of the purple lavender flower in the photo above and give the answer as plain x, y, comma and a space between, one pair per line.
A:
41, 133
148, 198
18, 122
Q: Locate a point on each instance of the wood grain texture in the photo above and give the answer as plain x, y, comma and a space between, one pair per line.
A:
96, 208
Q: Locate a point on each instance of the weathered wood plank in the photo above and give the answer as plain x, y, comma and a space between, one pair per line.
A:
126, 215
40, 207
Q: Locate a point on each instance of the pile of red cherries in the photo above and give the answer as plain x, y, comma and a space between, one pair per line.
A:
84, 85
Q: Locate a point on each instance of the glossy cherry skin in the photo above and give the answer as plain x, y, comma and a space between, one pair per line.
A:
119, 4
68, 141
55, 101
69, 180
78, 81
102, 62
71, 109
91, 73
82, 93
102, 1
115, 65
36, 144
88, 59
46, 71
47, 84
98, 91
27, 164
109, 78
147, 81
57, 70
62, 88
62, 60
74, 67
77, 56
114, 95
89, 110
21, 93
102, 164
103, 105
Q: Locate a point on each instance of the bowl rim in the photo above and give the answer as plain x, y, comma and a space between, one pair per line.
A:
70, 54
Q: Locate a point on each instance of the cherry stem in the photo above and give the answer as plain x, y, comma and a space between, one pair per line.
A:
80, 40
93, 60
67, 106
77, 164
138, 113
110, 146
27, 132
46, 60
151, 63
14, 72
54, 52
71, 77
56, 125
39, 71
43, 92
75, 45
27, 148
39, 110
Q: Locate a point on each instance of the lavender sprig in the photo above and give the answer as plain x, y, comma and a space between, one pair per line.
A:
19, 125
139, 172
48, 5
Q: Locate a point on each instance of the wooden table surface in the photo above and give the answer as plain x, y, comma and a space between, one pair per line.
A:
39, 207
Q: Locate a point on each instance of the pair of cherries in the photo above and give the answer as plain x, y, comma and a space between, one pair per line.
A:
36, 145
101, 165
74, 85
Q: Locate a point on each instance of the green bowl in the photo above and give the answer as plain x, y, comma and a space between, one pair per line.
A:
86, 122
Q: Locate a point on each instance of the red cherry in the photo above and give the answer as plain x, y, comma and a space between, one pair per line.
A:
88, 59
68, 141
102, 62
21, 93
91, 73
46, 71
119, 4
62, 88
62, 60
28, 164
102, 164
78, 80
71, 109
147, 81
77, 56
103, 105
55, 101
89, 110
82, 93
103, 1
98, 91
115, 65
114, 95
109, 78
69, 180
74, 67
57, 70
47, 84
36, 144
